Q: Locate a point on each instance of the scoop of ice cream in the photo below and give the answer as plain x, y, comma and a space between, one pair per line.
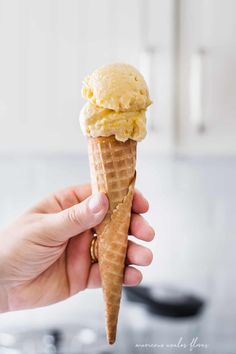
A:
96, 121
118, 97
119, 87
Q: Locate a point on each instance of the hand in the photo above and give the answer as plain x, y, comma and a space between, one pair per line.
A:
44, 255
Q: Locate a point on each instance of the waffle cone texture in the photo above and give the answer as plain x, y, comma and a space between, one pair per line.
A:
112, 166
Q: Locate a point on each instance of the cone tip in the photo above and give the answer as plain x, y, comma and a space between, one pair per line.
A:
111, 335
111, 340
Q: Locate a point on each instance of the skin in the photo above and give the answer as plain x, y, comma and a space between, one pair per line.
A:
44, 254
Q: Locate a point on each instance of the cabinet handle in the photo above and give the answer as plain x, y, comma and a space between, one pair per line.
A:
147, 63
196, 90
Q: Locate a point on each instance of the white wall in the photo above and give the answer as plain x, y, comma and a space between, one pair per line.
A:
47, 48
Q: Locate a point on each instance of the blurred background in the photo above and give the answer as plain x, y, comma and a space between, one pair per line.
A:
186, 166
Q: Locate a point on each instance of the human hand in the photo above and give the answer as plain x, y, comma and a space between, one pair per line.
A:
44, 254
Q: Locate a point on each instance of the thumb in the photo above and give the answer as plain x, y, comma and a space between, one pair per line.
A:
79, 218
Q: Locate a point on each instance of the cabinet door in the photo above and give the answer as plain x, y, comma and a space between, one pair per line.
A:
156, 62
47, 47
207, 80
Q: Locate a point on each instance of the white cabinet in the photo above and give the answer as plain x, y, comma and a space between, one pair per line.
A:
207, 76
158, 25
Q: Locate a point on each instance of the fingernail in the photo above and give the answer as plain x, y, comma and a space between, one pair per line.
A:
97, 202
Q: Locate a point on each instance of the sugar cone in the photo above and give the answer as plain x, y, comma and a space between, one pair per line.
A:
112, 165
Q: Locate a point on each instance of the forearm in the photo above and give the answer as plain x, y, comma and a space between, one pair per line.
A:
3, 300
3, 292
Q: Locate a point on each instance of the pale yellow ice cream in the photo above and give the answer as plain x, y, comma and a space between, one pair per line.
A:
118, 97
96, 121
119, 87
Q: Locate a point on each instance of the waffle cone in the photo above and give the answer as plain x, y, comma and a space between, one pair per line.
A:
112, 165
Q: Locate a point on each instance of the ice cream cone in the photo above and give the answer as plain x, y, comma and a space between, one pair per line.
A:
112, 165
114, 120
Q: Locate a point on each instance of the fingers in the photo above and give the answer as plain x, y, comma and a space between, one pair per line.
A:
94, 279
78, 261
140, 204
140, 228
78, 218
72, 195
132, 277
63, 199
138, 254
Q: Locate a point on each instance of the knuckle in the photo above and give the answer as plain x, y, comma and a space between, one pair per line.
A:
75, 217
67, 200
